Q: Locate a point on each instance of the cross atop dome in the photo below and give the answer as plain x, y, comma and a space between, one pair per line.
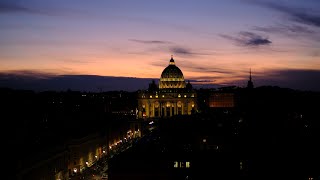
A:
171, 61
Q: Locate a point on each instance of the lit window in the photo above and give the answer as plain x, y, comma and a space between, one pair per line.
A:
204, 140
192, 95
175, 165
179, 95
187, 164
150, 96
163, 96
185, 95
182, 164
156, 96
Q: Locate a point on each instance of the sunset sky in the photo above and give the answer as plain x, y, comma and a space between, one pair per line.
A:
212, 41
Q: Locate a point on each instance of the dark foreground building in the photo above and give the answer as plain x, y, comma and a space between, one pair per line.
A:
266, 133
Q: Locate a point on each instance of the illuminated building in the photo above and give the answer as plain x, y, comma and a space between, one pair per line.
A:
221, 100
172, 97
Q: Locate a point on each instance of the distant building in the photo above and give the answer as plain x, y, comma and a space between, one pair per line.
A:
84, 152
223, 100
172, 97
46, 165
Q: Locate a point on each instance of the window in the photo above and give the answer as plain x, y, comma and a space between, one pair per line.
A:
187, 164
182, 164
175, 164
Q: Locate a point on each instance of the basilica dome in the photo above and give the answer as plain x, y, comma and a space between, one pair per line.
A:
172, 77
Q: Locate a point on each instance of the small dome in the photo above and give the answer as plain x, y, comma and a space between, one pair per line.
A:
172, 77
189, 86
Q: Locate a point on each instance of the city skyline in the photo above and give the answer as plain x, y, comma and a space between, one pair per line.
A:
213, 42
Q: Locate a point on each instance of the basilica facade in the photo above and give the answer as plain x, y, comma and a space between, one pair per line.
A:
173, 96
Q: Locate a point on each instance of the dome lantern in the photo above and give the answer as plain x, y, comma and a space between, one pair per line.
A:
171, 62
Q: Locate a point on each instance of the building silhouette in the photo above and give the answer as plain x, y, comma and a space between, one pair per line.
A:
250, 83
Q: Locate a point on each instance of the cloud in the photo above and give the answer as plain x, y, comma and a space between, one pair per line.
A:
10, 7
167, 46
181, 50
303, 16
285, 29
39, 81
205, 68
174, 49
193, 67
249, 39
292, 78
27, 74
184, 51
149, 41
30, 80
298, 22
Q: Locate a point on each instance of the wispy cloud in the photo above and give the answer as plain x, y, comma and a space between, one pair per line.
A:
193, 67
303, 79
297, 22
184, 51
285, 29
303, 16
150, 41
165, 46
28, 73
11, 7
245, 38
40, 81
292, 31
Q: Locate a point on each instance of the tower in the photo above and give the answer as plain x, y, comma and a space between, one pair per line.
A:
250, 83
